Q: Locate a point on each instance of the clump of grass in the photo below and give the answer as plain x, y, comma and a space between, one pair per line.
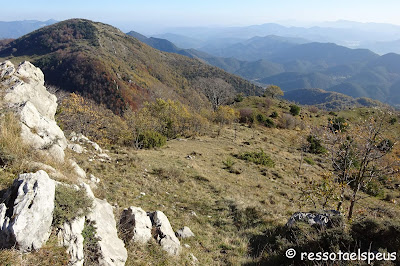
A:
259, 157
310, 161
228, 163
167, 173
69, 204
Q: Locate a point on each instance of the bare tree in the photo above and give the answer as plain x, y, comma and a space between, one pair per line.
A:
218, 91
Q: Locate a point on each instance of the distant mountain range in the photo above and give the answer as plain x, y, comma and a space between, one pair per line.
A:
379, 37
294, 64
15, 29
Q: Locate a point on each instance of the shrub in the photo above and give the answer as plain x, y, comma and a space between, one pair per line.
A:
228, 163
226, 115
151, 139
294, 109
261, 118
259, 157
274, 114
239, 97
287, 121
246, 116
315, 145
269, 123
338, 124
90, 244
69, 204
374, 188
393, 120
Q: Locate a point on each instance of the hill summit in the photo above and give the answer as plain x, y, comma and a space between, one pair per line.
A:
104, 64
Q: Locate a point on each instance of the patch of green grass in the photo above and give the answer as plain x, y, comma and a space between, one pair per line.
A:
309, 160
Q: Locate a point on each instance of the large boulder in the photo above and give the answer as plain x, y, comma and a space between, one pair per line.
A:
136, 225
112, 249
26, 213
165, 235
25, 93
71, 237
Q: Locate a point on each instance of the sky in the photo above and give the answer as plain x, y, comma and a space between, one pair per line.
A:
155, 15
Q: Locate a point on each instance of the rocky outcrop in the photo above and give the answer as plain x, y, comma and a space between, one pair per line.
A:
27, 212
184, 232
25, 93
135, 225
71, 237
165, 235
319, 219
112, 249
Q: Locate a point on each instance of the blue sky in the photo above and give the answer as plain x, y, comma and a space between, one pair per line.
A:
153, 14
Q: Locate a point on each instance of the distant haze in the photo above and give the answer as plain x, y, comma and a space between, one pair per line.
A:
153, 16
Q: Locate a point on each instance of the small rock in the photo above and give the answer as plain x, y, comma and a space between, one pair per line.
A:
142, 194
76, 148
184, 232
77, 169
186, 246
195, 261
193, 213
94, 179
104, 156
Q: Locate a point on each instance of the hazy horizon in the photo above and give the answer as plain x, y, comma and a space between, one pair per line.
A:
157, 15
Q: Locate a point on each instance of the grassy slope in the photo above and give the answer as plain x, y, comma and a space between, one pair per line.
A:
177, 186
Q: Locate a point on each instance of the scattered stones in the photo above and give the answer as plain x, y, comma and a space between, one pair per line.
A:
136, 225
184, 232
165, 236
27, 212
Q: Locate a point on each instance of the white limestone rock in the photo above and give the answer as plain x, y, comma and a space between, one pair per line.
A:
136, 225
27, 212
77, 169
71, 237
165, 235
184, 232
76, 148
26, 94
111, 248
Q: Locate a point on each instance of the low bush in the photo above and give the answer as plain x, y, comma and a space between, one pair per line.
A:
315, 145
269, 123
259, 157
151, 139
274, 114
294, 109
69, 204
